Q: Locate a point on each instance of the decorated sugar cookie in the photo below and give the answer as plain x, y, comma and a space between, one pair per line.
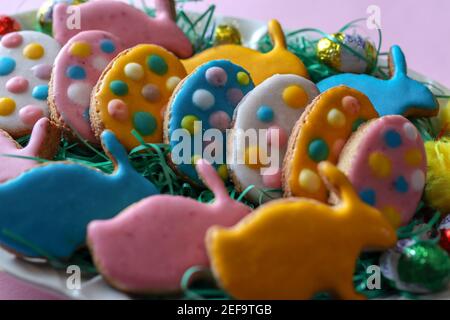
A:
274, 106
46, 210
260, 65
77, 69
320, 135
176, 224
133, 92
126, 22
200, 112
26, 60
386, 163
294, 248
399, 95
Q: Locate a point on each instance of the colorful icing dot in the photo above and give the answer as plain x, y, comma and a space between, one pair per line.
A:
336, 118
145, 123
203, 99
7, 65
243, 78
134, 71
80, 93
220, 120
357, 123
42, 71
392, 139
309, 181
118, 110
235, 96
172, 83
99, 63
40, 92
107, 46
368, 196
222, 170
76, 72
188, 123
12, 40
118, 87
277, 136
7, 106
380, 165
410, 131
318, 150
151, 93
17, 85
272, 181
295, 97
157, 65
86, 115
253, 157
265, 114
195, 158
30, 114
80, 49
33, 51
393, 216
418, 180
401, 185
216, 76
351, 105
413, 157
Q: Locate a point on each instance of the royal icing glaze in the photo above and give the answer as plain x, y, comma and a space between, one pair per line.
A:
173, 224
385, 161
61, 199
133, 93
313, 243
77, 69
275, 106
260, 66
320, 135
399, 95
26, 58
208, 97
128, 23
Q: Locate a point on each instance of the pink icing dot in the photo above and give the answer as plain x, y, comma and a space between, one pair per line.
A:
220, 120
338, 146
351, 105
118, 110
30, 114
235, 95
216, 76
42, 71
272, 181
12, 40
17, 85
272, 134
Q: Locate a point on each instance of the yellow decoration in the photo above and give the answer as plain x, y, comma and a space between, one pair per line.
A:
188, 123
33, 51
223, 172
295, 248
261, 66
243, 78
81, 50
413, 157
7, 106
380, 165
444, 117
393, 216
336, 118
309, 181
226, 34
172, 83
295, 97
253, 157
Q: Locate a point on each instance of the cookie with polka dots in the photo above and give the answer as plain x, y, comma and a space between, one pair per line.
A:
386, 162
199, 114
270, 111
319, 135
133, 92
26, 60
77, 69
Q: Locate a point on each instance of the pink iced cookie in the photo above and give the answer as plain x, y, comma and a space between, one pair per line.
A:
150, 245
130, 24
386, 162
77, 69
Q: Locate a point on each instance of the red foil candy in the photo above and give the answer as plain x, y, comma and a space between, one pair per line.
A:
445, 234
8, 24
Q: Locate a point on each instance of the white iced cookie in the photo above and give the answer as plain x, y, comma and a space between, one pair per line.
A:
275, 106
26, 60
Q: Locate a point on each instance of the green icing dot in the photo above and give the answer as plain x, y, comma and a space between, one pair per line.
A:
118, 87
357, 124
144, 123
318, 150
157, 65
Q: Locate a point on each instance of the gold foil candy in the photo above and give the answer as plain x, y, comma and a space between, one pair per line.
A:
227, 34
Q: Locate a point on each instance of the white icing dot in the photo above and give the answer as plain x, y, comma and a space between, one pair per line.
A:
99, 63
172, 83
203, 99
418, 180
410, 131
134, 71
80, 93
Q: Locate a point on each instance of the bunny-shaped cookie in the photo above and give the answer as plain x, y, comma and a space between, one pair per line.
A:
399, 95
167, 237
294, 248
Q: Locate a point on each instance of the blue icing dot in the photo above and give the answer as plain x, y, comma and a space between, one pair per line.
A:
145, 123
76, 73
107, 46
118, 87
401, 185
392, 139
7, 65
265, 114
368, 196
40, 92
86, 115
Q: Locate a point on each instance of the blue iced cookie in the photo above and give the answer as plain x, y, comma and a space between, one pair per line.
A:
44, 212
399, 95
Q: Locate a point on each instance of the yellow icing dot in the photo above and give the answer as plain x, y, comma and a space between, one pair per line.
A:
413, 157
223, 172
380, 165
309, 181
7, 106
295, 97
393, 216
172, 83
33, 51
253, 158
336, 118
195, 159
188, 123
243, 78
81, 49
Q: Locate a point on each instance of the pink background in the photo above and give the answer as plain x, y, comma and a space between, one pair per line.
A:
420, 27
